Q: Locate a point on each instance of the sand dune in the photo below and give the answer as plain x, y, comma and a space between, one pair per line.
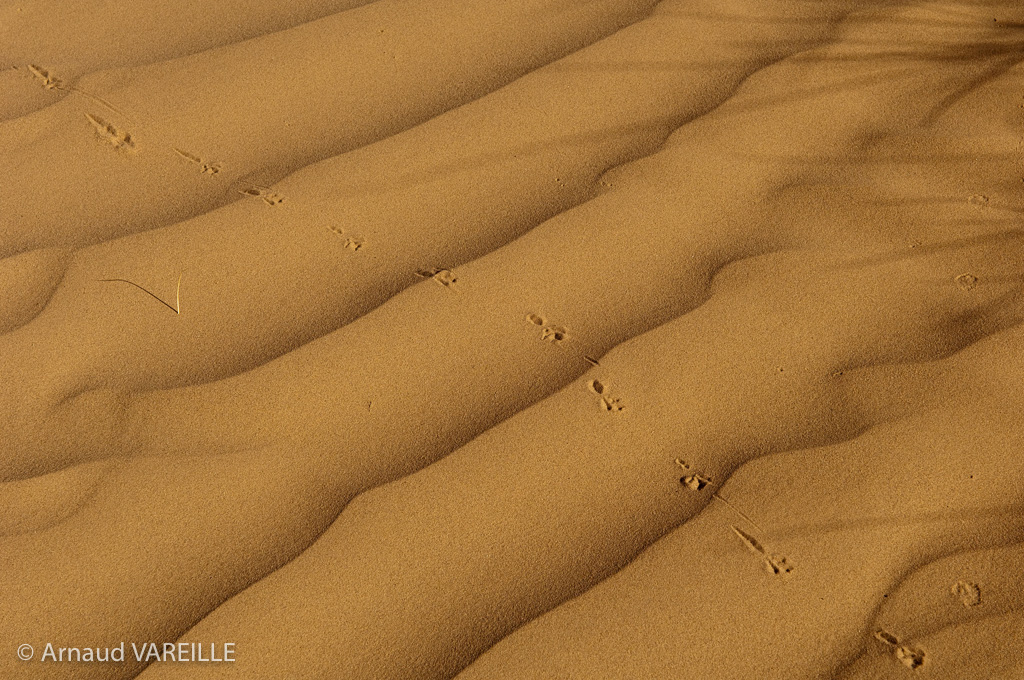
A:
440, 338
947, 600
689, 603
361, 225
622, 244
978, 648
61, 41
588, 485
105, 164
40, 502
852, 513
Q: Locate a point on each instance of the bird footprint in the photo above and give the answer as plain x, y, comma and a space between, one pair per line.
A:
49, 81
264, 193
204, 167
353, 243
117, 138
691, 481
911, 657
608, 402
774, 564
445, 277
550, 332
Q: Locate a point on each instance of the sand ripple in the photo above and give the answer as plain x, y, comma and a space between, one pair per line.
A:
437, 338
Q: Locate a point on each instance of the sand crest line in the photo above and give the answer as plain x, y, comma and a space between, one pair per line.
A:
910, 656
697, 482
176, 308
775, 564
204, 167
123, 140
52, 82
739, 512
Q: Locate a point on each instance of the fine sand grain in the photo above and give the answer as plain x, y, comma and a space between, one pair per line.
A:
107, 161
590, 339
362, 225
46, 45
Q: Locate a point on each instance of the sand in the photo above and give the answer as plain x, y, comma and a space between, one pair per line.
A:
53, 43
441, 338
418, 203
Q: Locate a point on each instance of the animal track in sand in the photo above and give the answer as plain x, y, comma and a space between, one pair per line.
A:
887, 638
608, 402
123, 140
691, 481
613, 404
774, 564
204, 167
695, 482
554, 333
49, 81
177, 295
445, 277
911, 657
353, 243
263, 193
119, 139
551, 332
966, 281
969, 593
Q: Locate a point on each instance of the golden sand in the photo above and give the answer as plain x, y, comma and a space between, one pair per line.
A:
425, 339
